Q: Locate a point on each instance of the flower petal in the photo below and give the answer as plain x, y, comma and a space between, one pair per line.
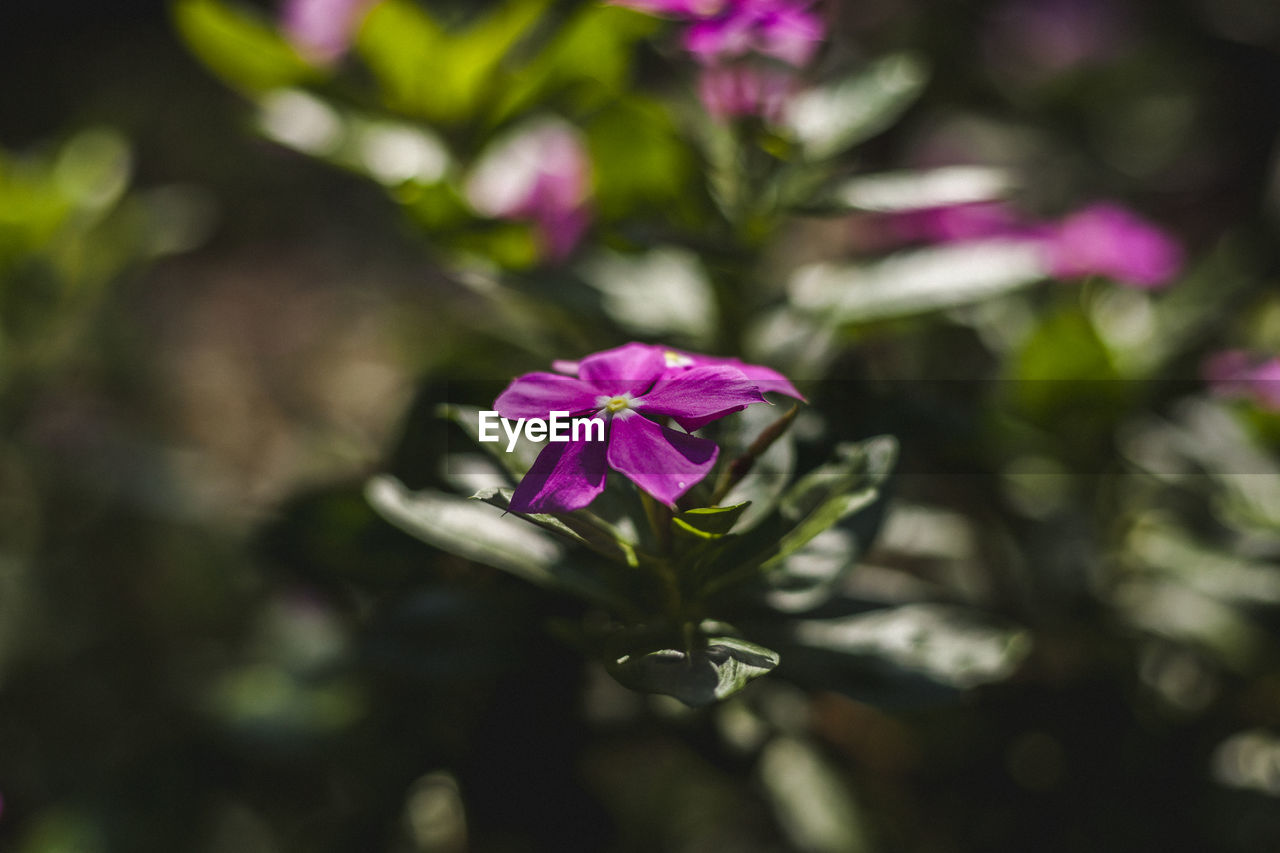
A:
700, 395
566, 476
663, 462
536, 395
631, 368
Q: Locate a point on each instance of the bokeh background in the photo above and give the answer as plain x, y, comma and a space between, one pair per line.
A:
209, 641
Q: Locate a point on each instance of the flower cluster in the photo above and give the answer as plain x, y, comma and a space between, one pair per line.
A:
1101, 239
730, 38
635, 389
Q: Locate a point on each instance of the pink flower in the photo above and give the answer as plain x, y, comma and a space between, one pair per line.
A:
1236, 373
740, 89
1108, 240
322, 30
725, 29
621, 386
676, 361
960, 222
1102, 239
540, 173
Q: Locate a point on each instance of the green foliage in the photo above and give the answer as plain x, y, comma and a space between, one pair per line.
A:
241, 48
713, 671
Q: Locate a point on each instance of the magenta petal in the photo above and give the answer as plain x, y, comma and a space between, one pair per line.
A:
699, 395
630, 368
535, 395
566, 476
716, 39
661, 461
791, 35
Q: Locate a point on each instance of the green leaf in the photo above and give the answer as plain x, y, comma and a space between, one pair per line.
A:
638, 158
949, 644
716, 670
899, 192
835, 492
244, 50
580, 527
425, 70
471, 530
916, 282
709, 522
830, 119
591, 56
827, 496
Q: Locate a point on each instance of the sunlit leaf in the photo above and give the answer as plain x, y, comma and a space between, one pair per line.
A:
715, 670
897, 192
472, 530
949, 644
814, 805
916, 282
832, 118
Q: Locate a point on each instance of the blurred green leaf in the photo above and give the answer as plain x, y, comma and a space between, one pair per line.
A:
425, 70
898, 192
715, 670
591, 55
813, 803
242, 49
916, 282
830, 119
638, 158
952, 645
516, 463
471, 530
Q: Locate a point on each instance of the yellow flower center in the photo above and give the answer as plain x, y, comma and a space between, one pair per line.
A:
618, 404
676, 359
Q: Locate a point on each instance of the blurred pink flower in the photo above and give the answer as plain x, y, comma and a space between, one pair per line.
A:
1236, 373
322, 30
1105, 239
741, 89
540, 173
784, 30
725, 29
1102, 239
959, 222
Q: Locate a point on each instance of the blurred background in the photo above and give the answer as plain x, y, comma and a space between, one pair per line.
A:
209, 341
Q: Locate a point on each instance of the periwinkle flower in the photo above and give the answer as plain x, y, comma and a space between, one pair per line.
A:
322, 30
784, 30
1101, 239
540, 172
1108, 240
625, 387
725, 29
1236, 373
